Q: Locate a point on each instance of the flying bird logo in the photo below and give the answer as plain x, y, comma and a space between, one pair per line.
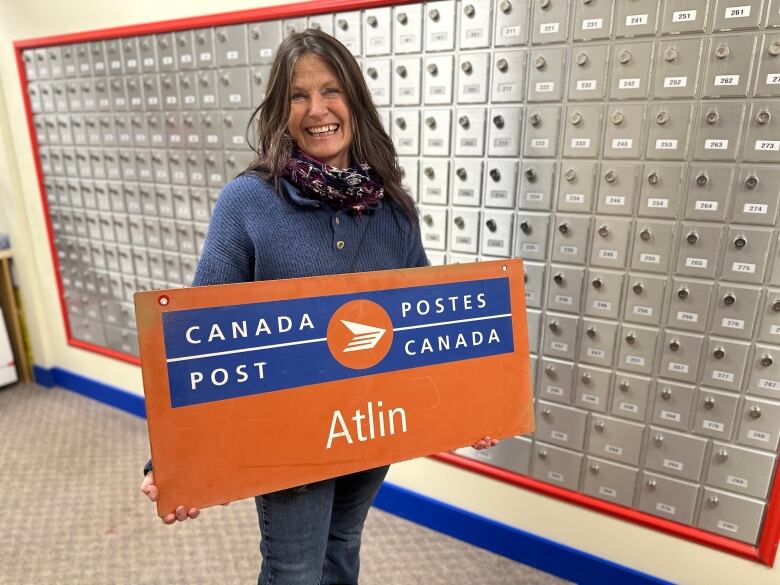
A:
354, 344
364, 336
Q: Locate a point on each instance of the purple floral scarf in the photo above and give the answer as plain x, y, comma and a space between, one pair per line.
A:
357, 188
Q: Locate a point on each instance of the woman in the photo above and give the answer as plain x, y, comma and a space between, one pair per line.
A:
324, 196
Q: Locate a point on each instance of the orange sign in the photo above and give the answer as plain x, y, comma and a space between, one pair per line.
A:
255, 387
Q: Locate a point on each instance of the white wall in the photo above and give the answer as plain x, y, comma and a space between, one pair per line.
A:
622, 542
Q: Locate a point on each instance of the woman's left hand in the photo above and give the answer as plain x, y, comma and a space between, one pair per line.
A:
485, 443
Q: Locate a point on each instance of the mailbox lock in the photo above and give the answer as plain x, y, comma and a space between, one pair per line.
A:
542, 454
505, 6
586, 378
428, 172
661, 118
539, 62
722, 51
651, 484
401, 71
652, 178
525, 227
631, 338
401, 123
372, 21
740, 241
674, 345
434, 15
594, 468
751, 182
610, 176
591, 332
709, 403
712, 117
722, 455
464, 121
597, 283
604, 231
692, 238
428, 219
582, 59
774, 49
544, 4
755, 411
433, 69
458, 221
719, 353
666, 394
554, 326
403, 172
469, 11
658, 440
683, 293
563, 228
535, 120
559, 278
638, 288
342, 24
767, 360
371, 72
570, 175
712, 501
729, 299
702, 180
550, 370
495, 174
430, 121
776, 305
624, 386
546, 412
599, 426
617, 118
530, 174
576, 118
466, 67
624, 57
491, 225
402, 18
461, 172
670, 54
498, 121
645, 234
502, 65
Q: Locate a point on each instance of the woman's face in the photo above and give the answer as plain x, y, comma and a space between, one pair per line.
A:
320, 121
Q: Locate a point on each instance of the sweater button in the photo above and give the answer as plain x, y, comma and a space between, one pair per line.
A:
340, 244
338, 221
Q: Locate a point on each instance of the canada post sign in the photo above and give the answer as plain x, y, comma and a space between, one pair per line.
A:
227, 352
255, 387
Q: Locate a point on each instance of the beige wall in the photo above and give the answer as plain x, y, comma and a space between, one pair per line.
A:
616, 540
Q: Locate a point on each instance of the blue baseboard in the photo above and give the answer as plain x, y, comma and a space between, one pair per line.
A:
523, 547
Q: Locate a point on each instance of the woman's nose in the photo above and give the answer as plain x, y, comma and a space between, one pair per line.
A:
317, 106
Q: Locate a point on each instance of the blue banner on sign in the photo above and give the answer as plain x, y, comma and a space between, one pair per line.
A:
227, 352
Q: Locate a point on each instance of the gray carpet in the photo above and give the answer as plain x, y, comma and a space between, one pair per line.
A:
71, 513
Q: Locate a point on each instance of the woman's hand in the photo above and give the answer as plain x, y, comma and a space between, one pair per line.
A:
485, 443
181, 514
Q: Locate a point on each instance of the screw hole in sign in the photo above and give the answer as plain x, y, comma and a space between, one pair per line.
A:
163, 300
504, 267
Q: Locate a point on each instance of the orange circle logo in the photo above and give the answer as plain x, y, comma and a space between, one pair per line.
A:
360, 334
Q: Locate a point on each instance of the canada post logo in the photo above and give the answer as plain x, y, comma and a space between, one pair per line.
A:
241, 350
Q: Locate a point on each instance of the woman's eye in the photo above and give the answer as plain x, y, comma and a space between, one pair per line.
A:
297, 97
332, 91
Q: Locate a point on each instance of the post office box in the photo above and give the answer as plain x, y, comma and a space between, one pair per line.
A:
121, 228
624, 131
730, 63
212, 129
508, 80
188, 236
512, 454
560, 425
610, 481
97, 57
592, 387
69, 61
668, 498
30, 65
406, 81
673, 405
564, 291
675, 454
234, 89
294, 25
699, 249
264, 38
234, 129
138, 127
169, 237
560, 335
84, 65
434, 181
467, 182
661, 190
733, 516
438, 79
150, 85
215, 168
740, 470
592, 20
536, 184
41, 64
570, 238
541, 131
759, 424
134, 90
653, 241
587, 74
470, 131
715, 412
636, 348
231, 45
497, 233
582, 131
107, 130
101, 195
405, 132
260, 74
689, 304
47, 96
546, 72
557, 381
60, 96
761, 142
125, 255
708, 192
765, 372
511, 23
533, 321
504, 131
631, 395
501, 180
615, 439
550, 21
725, 363
66, 134
531, 235
684, 16
718, 131
735, 310
756, 201
680, 356
191, 129
433, 227
733, 15
669, 130
410, 175
556, 466
610, 239
598, 342
172, 267
203, 48
603, 293
475, 22
617, 188
769, 329
376, 72
152, 232
237, 162
437, 132
160, 169
464, 231
74, 97
169, 91
472, 86
112, 262
165, 51
174, 130
208, 90
746, 254
630, 70
440, 22
147, 54
576, 190
408, 28
767, 81
534, 276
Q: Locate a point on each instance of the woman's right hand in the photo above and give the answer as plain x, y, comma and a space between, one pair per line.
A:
181, 514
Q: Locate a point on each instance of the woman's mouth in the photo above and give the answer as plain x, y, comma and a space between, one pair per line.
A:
325, 130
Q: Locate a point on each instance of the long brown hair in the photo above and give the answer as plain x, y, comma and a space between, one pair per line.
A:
370, 142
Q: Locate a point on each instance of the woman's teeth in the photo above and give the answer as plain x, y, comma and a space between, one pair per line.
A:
323, 130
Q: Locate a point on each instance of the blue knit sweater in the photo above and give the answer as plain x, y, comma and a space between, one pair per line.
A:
255, 234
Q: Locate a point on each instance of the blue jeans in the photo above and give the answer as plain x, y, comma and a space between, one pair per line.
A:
310, 535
